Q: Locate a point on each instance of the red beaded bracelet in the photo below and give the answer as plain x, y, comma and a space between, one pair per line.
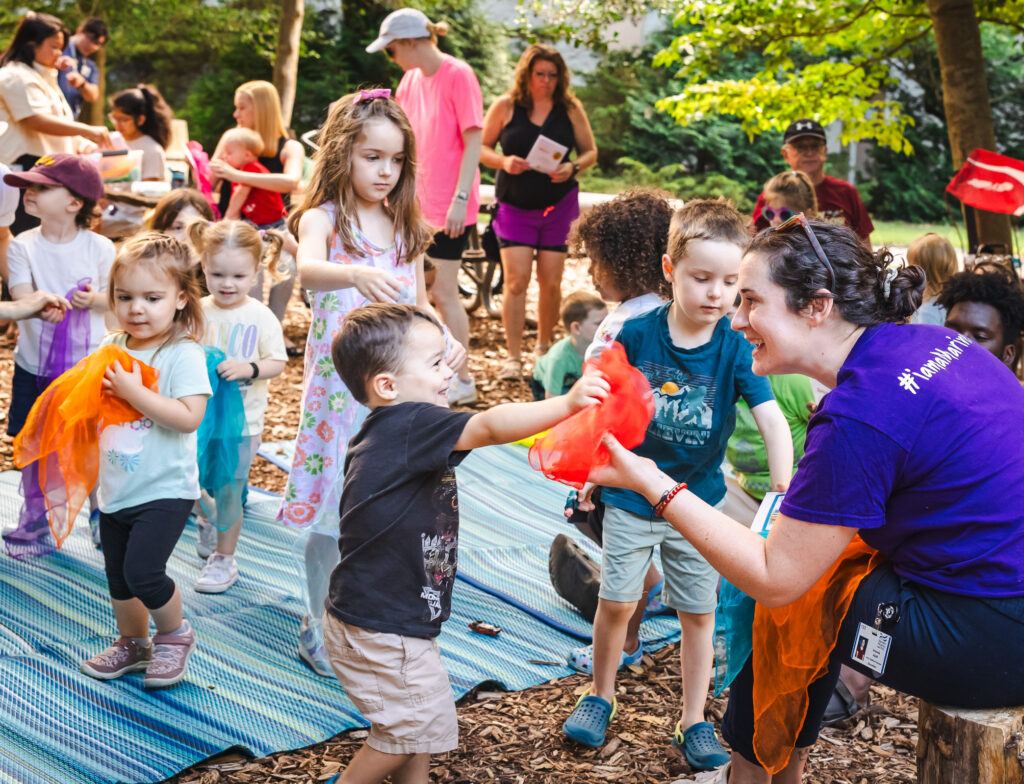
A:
666, 498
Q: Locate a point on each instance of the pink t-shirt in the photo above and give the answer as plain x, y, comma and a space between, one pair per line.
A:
441, 108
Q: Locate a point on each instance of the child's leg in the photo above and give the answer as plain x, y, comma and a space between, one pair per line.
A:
632, 641
227, 541
696, 658
370, 766
154, 531
609, 637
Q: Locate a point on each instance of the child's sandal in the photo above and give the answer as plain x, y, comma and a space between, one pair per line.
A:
589, 720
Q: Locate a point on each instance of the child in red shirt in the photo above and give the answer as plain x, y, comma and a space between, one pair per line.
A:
240, 148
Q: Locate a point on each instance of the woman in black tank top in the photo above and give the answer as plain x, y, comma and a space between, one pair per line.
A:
258, 106
536, 203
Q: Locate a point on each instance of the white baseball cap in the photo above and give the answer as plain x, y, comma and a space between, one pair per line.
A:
403, 23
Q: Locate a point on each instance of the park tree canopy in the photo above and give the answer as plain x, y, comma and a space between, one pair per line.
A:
831, 61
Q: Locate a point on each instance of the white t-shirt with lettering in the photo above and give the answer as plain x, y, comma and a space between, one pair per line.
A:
247, 333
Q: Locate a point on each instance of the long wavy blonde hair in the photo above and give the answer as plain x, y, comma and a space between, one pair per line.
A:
332, 174
269, 122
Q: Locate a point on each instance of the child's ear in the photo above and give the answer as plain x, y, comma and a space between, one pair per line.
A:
383, 386
74, 205
574, 327
182, 300
667, 267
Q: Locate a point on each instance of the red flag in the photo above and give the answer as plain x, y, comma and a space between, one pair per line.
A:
992, 182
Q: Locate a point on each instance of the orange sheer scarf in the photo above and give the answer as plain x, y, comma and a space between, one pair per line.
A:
792, 646
62, 433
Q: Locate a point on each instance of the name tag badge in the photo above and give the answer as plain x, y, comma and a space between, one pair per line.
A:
85, 70
871, 648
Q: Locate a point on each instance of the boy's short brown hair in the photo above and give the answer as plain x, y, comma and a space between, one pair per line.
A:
371, 341
705, 219
578, 305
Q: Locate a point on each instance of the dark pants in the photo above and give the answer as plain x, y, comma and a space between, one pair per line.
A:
137, 543
24, 391
952, 650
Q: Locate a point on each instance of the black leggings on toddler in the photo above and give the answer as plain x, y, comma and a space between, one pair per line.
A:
137, 543
946, 648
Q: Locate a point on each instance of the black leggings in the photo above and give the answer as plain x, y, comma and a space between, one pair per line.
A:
948, 649
137, 543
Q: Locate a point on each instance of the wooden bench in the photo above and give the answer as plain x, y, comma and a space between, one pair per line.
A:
958, 746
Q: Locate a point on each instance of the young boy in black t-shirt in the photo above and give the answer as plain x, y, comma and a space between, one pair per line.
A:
399, 531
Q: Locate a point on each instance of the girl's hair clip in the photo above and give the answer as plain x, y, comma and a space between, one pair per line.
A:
368, 95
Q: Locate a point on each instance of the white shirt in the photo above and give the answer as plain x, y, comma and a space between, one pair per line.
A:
33, 259
8, 198
610, 327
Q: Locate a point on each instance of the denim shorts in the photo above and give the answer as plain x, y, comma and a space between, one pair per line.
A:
963, 651
627, 551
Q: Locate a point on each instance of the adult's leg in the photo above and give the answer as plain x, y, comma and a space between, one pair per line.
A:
445, 294
550, 267
517, 264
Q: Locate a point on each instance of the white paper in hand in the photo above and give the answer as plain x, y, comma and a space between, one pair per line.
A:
766, 513
546, 154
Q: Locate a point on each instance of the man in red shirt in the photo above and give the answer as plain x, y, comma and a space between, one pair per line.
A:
804, 149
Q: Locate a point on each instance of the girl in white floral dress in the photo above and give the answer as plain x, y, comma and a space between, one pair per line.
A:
361, 240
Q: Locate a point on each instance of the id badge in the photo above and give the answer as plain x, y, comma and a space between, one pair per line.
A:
871, 648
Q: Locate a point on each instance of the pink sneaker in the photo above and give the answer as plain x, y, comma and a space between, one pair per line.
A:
170, 658
124, 656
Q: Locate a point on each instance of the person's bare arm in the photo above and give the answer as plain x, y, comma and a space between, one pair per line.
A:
513, 421
237, 370
33, 305
55, 126
586, 147
774, 571
238, 197
5, 240
26, 291
287, 181
778, 443
183, 414
457, 219
495, 120
318, 274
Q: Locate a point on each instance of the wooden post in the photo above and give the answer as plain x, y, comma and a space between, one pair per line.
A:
978, 746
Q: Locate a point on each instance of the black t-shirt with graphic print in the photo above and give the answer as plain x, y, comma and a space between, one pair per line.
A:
399, 521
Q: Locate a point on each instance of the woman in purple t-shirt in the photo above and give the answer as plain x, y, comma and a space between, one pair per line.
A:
908, 450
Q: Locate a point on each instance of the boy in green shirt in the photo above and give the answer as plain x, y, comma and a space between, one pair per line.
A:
556, 371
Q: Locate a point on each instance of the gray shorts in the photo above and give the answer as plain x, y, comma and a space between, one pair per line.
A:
627, 552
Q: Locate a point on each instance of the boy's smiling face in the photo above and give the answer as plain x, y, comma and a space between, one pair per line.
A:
423, 376
704, 281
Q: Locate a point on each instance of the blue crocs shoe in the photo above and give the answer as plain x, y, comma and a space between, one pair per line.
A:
589, 720
655, 606
700, 745
582, 659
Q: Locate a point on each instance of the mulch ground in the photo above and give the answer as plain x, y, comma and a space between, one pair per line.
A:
515, 738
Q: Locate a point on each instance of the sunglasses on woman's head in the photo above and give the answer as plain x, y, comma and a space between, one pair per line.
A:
782, 213
801, 220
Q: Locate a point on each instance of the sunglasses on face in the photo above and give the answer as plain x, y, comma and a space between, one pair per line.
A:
390, 51
801, 220
782, 213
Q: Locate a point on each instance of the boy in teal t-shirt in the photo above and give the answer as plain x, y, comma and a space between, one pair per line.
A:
556, 371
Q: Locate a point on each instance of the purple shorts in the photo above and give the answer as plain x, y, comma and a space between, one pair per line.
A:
546, 229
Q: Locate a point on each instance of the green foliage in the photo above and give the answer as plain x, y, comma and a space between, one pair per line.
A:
831, 61
673, 178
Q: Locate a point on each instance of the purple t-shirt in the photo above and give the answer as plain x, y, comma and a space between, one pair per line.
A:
919, 446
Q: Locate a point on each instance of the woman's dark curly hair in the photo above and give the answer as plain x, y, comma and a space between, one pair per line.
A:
627, 237
996, 288
860, 275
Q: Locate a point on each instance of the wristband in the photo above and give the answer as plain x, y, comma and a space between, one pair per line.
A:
575, 168
666, 498
255, 370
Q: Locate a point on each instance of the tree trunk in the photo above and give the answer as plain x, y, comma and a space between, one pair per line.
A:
94, 113
960, 746
286, 64
965, 97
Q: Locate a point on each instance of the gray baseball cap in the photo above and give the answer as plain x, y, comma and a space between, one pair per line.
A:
403, 23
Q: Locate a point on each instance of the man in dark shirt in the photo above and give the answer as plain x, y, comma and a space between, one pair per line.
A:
399, 530
79, 76
804, 149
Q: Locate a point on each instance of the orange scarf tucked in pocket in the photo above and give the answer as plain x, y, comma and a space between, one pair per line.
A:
62, 433
792, 646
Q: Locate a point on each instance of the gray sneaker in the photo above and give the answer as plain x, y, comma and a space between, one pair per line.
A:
124, 656
206, 543
219, 574
170, 658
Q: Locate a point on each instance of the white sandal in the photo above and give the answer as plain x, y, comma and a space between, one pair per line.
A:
512, 370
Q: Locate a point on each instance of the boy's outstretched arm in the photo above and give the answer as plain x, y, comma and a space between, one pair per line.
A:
778, 443
513, 421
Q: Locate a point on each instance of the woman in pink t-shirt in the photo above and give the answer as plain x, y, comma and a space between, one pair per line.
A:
441, 96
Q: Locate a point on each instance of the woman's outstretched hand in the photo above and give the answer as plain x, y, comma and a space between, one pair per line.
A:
625, 469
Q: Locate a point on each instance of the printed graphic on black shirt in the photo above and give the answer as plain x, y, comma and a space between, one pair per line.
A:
440, 550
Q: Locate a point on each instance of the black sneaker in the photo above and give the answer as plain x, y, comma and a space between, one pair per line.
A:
576, 577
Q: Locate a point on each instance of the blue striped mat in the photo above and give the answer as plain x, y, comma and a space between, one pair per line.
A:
246, 687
